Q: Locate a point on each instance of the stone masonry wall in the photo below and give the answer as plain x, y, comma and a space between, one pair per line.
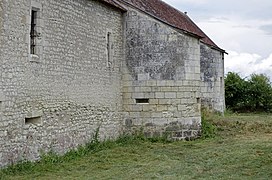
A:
56, 99
1, 96
1, 19
161, 77
212, 78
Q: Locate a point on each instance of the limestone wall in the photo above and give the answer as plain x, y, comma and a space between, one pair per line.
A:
1, 18
1, 42
57, 98
161, 78
212, 78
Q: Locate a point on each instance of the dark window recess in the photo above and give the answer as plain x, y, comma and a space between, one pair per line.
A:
34, 120
221, 85
109, 48
33, 32
142, 101
108, 45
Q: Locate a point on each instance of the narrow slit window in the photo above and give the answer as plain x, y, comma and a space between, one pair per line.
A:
33, 32
33, 120
221, 85
142, 101
108, 45
109, 49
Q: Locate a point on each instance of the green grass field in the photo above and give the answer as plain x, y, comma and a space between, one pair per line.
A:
242, 149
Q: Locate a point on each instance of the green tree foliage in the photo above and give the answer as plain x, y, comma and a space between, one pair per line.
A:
254, 94
260, 93
235, 88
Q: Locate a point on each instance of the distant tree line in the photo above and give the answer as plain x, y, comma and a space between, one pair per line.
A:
253, 94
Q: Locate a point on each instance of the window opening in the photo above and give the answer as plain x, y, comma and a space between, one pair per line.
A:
221, 84
33, 32
142, 101
109, 49
33, 120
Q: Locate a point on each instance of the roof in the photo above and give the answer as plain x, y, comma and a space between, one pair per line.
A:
114, 3
171, 16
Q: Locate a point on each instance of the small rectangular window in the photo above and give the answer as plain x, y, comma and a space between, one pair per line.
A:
142, 101
33, 120
33, 32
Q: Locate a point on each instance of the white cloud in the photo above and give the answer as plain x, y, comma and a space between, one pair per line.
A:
246, 64
197, 2
253, 9
241, 35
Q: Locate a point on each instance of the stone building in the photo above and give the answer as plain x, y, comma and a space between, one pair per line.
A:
72, 67
171, 66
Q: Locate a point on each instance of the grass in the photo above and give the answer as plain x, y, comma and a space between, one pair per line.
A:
241, 149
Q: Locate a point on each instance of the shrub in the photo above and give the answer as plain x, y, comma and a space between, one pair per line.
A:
208, 129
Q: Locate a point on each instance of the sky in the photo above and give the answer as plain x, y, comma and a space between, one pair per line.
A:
241, 27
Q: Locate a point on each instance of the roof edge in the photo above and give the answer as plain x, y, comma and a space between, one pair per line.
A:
215, 48
115, 4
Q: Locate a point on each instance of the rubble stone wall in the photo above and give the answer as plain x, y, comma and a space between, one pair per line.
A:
55, 99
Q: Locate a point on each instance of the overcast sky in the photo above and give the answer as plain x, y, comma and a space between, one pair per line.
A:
242, 27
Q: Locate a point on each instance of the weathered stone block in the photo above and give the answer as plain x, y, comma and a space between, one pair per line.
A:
152, 83
153, 101
34, 114
127, 95
149, 107
138, 95
161, 108
175, 89
159, 95
170, 95
146, 89
166, 89
156, 115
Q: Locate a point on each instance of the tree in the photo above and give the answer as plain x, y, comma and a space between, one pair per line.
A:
260, 92
235, 91
254, 94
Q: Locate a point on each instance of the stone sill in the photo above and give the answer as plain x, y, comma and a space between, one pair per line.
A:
35, 114
34, 58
